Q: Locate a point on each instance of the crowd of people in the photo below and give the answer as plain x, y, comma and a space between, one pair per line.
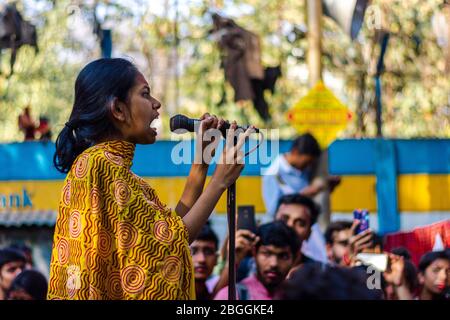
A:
290, 258
271, 266
277, 269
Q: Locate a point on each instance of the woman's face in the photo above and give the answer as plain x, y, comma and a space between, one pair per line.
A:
436, 276
143, 110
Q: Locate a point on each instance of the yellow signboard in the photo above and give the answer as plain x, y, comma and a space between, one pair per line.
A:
321, 114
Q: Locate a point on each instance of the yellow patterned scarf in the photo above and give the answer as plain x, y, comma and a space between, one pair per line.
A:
113, 238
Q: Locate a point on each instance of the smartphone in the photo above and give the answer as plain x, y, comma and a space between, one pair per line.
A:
378, 260
363, 217
246, 218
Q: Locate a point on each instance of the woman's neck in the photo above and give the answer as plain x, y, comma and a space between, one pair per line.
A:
425, 294
110, 138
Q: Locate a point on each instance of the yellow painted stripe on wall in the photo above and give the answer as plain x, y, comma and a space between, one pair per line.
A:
354, 192
419, 193
248, 192
45, 195
423, 192
416, 192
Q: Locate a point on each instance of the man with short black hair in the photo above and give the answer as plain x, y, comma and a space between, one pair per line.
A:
300, 213
292, 173
275, 254
434, 275
337, 237
204, 257
12, 262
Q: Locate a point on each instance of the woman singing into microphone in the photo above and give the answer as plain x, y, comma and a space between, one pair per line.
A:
114, 239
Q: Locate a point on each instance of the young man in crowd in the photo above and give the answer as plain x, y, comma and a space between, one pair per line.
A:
434, 275
275, 253
300, 213
342, 244
12, 262
297, 212
292, 173
337, 237
204, 258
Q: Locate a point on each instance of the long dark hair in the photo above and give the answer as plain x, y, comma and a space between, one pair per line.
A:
97, 85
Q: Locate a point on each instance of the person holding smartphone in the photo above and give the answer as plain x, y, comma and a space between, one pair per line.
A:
343, 244
275, 253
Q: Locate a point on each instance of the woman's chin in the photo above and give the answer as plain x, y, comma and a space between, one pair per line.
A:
151, 139
148, 139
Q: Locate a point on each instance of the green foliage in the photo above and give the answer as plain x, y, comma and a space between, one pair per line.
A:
43, 81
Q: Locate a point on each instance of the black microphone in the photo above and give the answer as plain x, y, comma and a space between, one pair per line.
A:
180, 121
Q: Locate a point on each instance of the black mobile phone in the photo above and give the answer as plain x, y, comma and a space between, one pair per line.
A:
246, 218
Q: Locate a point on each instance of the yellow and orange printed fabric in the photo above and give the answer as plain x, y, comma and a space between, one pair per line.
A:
113, 238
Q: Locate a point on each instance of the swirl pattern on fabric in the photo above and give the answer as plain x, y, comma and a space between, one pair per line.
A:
114, 238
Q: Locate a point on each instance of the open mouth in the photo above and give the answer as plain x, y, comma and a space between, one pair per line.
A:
154, 124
